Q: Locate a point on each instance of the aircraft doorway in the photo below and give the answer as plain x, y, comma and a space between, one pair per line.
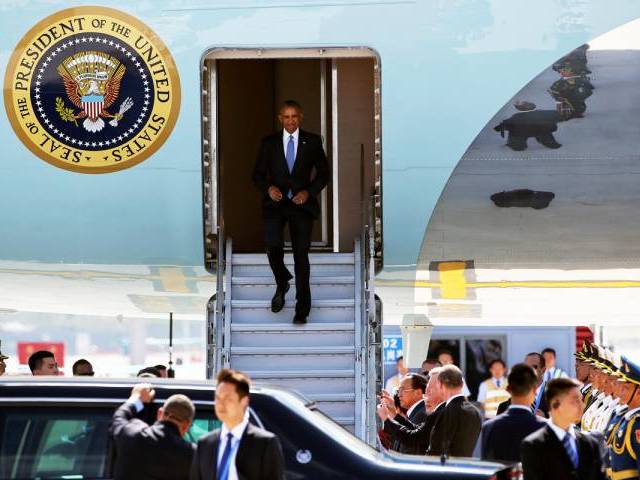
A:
242, 91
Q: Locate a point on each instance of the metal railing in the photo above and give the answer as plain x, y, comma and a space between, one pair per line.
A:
371, 321
216, 310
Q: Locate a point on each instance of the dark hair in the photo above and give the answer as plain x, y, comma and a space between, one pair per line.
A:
291, 104
149, 371
536, 354
450, 376
557, 387
522, 379
497, 360
433, 361
418, 382
444, 351
399, 358
35, 360
236, 378
79, 363
179, 407
159, 367
549, 350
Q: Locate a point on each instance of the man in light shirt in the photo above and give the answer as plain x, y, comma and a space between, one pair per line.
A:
217, 455
393, 382
551, 370
493, 391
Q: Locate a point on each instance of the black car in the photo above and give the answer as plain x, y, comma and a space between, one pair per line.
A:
57, 428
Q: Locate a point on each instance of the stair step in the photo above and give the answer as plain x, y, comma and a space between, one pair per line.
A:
268, 374
270, 281
313, 385
317, 270
292, 350
292, 328
293, 358
318, 292
320, 303
314, 258
292, 337
319, 314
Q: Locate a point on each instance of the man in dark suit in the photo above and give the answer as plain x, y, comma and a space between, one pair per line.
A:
539, 405
284, 174
502, 435
410, 435
559, 451
238, 450
456, 430
157, 451
411, 392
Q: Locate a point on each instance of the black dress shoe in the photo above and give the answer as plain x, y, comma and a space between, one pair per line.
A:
299, 319
277, 302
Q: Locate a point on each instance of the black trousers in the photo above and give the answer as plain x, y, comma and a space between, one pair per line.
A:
300, 224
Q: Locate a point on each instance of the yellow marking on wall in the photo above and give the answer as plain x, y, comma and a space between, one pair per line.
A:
452, 280
520, 284
173, 280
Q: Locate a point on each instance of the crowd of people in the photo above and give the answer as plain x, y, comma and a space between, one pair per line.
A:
557, 427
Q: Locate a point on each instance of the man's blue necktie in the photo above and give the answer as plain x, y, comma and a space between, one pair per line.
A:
291, 158
570, 447
223, 467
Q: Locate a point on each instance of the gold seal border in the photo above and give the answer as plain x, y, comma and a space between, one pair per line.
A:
152, 36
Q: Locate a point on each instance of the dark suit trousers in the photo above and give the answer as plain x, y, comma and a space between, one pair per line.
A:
300, 225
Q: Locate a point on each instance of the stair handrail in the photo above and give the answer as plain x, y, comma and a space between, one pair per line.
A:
371, 317
215, 324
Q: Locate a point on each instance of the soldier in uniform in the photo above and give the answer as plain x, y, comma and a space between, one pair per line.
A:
530, 122
624, 433
570, 92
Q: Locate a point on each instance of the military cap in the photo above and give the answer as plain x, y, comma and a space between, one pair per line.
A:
630, 371
583, 354
524, 106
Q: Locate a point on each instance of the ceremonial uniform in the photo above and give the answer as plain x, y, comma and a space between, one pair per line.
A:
571, 93
625, 447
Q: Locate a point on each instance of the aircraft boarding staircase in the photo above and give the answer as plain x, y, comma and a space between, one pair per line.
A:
334, 359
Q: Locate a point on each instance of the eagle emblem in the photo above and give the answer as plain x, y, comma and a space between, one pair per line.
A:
92, 83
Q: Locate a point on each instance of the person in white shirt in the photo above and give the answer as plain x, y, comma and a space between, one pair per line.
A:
393, 382
217, 455
445, 357
493, 391
551, 371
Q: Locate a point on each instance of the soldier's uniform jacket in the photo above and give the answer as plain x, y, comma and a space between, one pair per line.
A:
573, 89
604, 414
625, 447
590, 414
611, 431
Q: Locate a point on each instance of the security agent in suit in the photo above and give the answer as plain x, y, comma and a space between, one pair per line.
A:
284, 175
539, 405
238, 450
157, 451
412, 437
502, 435
559, 451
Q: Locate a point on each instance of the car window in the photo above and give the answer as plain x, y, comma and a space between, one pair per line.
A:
203, 423
53, 442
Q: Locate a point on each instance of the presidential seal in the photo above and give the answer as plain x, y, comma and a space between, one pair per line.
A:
92, 90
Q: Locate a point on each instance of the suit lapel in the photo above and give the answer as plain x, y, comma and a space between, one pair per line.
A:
556, 445
213, 461
244, 451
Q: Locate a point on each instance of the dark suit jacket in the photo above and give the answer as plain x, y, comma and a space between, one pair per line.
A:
543, 407
544, 458
411, 438
272, 169
148, 452
456, 430
259, 456
502, 435
418, 416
